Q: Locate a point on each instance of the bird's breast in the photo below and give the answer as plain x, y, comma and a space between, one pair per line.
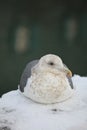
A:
46, 87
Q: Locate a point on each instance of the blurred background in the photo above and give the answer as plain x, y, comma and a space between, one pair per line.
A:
30, 29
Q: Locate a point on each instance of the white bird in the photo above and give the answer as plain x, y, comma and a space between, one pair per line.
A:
45, 80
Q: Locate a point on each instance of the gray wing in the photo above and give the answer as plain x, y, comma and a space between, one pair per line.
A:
70, 80
26, 74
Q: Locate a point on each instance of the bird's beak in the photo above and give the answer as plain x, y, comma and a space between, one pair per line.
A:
67, 71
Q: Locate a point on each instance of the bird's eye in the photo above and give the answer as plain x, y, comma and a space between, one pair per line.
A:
51, 63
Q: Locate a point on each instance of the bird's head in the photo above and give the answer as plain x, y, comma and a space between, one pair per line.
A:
52, 63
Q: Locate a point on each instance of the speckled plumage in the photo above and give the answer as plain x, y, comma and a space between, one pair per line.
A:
48, 81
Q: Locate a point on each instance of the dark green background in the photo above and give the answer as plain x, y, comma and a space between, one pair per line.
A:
47, 22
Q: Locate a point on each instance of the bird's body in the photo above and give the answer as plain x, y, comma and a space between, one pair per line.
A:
47, 87
46, 81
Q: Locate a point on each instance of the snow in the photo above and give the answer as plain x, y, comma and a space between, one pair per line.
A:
20, 113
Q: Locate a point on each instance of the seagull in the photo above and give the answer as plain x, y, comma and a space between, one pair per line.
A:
47, 80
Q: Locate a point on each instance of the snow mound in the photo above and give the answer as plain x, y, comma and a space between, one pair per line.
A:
19, 113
